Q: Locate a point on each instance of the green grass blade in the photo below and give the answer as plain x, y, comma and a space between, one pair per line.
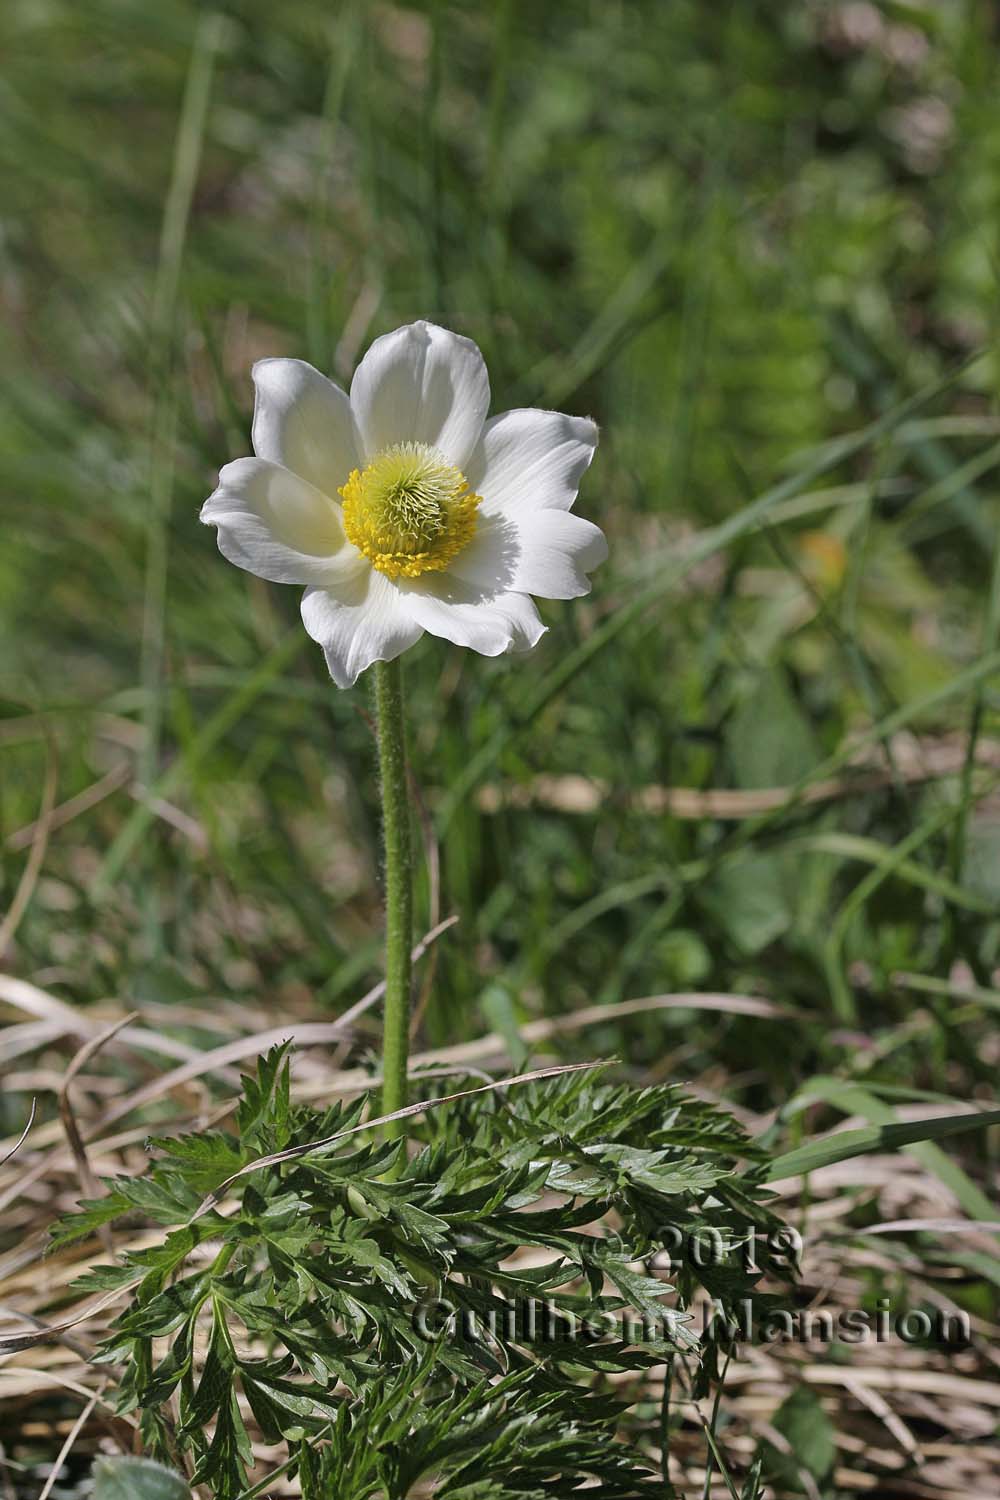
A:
216, 728
846, 1144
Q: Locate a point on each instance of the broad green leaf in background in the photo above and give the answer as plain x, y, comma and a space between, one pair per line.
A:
769, 743
982, 857
769, 740
137, 1479
801, 1419
747, 897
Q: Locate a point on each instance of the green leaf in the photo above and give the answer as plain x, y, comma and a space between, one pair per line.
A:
497, 1004
104, 1279
982, 858
203, 1159
658, 1169
748, 898
811, 1438
229, 1454
92, 1213
845, 1144
215, 1385
365, 1252
136, 1479
265, 1099
752, 1488
168, 1201
325, 1260
769, 739
641, 1291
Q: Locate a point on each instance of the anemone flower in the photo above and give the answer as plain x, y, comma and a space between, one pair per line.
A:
403, 508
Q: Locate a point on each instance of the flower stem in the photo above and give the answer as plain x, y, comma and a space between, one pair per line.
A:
398, 887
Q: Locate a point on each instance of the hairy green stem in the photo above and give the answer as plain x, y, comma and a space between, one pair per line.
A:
398, 887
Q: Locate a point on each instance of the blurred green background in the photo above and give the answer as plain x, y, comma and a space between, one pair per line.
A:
733, 233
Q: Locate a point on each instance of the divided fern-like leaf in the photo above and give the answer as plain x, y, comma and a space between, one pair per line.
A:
443, 1318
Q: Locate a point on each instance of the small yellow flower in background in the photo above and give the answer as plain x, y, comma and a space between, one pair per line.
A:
824, 557
402, 508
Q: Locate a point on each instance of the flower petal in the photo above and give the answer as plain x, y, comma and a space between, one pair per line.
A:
558, 550
489, 561
489, 623
421, 384
278, 526
303, 421
546, 552
530, 460
361, 621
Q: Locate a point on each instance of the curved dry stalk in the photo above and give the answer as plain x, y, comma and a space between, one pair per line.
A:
21, 1138
73, 807
89, 1185
71, 1438
15, 1343
316, 1032
917, 763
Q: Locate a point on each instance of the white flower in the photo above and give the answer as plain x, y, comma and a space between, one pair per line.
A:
402, 508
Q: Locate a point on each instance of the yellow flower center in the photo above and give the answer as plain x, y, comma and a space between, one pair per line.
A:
409, 511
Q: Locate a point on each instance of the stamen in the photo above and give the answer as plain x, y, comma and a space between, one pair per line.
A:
409, 511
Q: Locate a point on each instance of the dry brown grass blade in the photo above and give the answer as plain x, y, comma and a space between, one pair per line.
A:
15, 1343
68, 1021
21, 1138
308, 1033
8, 1486
73, 807
27, 997
971, 1227
35, 726
880, 1408
33, 864
356, 324
419, 1108
378, 990
30, 1036
89, 1185
175, 817
71, 1438
916, 763
892, 1378
780, 1442
733, 1005
356, 1080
